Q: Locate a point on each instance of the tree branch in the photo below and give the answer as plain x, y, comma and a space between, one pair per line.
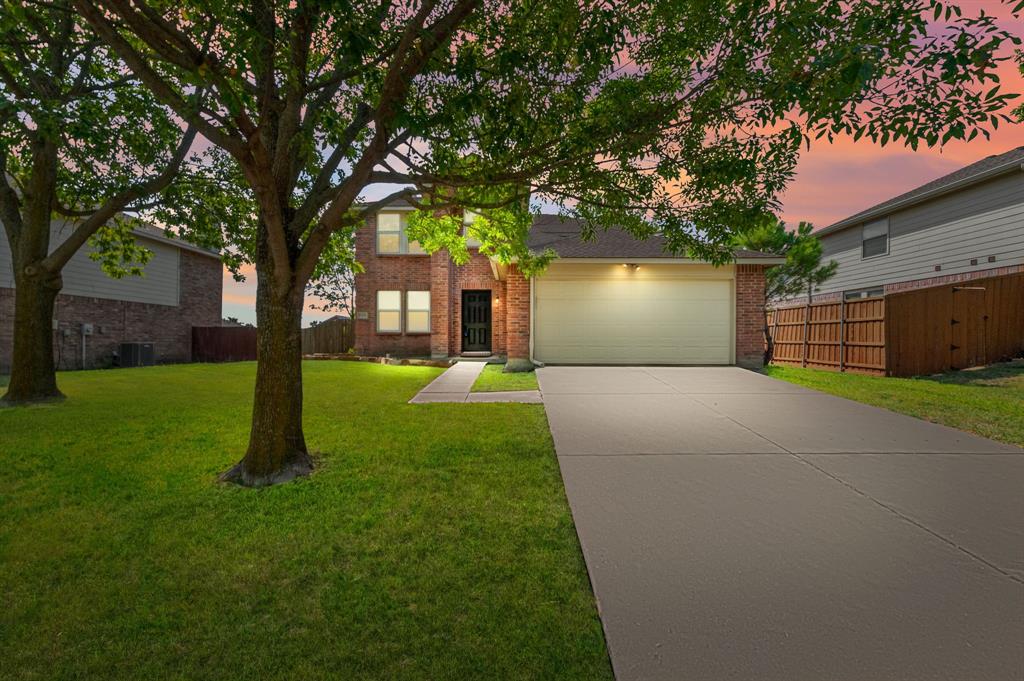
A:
163, 91
115, 204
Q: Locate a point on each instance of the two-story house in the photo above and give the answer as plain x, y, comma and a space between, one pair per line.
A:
611, 300
94, 314
966, 225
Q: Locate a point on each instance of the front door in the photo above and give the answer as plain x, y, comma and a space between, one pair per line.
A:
476, 321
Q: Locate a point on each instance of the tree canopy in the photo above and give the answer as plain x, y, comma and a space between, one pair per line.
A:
685, 118
803, 270
80, 141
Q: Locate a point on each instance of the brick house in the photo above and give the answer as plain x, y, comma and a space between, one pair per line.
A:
181, 288
613, 300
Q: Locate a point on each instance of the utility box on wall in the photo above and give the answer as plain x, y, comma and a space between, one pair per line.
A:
136, 355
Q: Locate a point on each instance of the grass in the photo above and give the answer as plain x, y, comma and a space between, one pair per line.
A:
434, 541
493, 379
988, 402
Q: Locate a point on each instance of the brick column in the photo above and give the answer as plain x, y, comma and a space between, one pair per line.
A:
750, 316
440, 305
517, 320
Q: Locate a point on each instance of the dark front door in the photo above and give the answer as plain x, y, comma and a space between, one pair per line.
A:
476, 321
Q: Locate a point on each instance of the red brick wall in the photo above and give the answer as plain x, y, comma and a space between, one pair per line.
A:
518, 318
476, 275
168, 327
388, 273
445, 282
940, 280
750, 315
952, 278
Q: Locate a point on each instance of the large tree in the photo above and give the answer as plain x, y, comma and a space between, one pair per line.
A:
81, 141
683, 117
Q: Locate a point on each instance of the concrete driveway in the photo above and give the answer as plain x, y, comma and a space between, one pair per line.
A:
739, 527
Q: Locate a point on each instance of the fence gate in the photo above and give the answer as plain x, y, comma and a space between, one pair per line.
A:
967, 327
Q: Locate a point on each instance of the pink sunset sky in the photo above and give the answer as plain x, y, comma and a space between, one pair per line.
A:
833, 181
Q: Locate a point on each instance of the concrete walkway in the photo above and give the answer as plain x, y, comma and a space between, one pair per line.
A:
455, 384
738, 527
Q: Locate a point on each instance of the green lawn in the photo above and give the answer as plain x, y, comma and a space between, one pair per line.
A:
493, 379
987, 401
433, 542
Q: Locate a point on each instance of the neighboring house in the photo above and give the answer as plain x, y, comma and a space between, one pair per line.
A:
614, 300
181, 288
965, 225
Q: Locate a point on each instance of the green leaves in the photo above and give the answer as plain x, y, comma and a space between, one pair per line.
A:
803, 269
686, 119
115, 249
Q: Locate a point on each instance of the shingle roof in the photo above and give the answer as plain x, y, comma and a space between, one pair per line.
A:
562, 235
986, 167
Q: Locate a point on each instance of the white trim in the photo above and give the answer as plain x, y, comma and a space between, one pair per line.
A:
177, 243
533, 316
732, 324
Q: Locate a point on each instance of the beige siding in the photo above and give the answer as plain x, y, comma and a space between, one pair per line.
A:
662, 314
83, 277
978, 222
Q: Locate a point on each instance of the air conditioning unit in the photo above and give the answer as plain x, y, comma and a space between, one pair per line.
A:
136, 355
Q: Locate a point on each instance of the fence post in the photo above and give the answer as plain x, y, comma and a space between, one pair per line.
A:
775, 333
842, 333
807, 321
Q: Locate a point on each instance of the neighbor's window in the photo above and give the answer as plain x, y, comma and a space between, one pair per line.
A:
391, 237
417, 312
875, 238
389, 311
468, 218
874, 292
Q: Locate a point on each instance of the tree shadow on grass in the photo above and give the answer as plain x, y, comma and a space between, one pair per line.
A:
1002, 375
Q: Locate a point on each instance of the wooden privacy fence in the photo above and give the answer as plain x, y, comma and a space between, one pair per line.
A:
957, 326
909, 333
332, 337
841, 336
223, 343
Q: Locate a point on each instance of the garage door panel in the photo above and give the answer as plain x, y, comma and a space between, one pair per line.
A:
657, 315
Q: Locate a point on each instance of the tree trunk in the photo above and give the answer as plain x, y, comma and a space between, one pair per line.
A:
33, 374
277, 447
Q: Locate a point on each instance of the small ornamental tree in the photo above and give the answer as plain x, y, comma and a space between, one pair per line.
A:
685, 118
79, 141
803, 270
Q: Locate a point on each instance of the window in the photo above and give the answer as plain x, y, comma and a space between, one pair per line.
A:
468, 218
417, 312
875, 239
874, 292
391, 238
389, 311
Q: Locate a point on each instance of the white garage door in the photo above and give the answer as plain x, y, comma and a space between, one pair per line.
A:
614, 314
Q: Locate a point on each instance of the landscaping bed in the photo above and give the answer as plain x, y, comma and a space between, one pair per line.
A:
432, 542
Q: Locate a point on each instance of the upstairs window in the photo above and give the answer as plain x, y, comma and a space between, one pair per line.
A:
875, 239
391, 237
468, 218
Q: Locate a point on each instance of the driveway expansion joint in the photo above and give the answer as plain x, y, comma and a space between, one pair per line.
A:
906, 518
